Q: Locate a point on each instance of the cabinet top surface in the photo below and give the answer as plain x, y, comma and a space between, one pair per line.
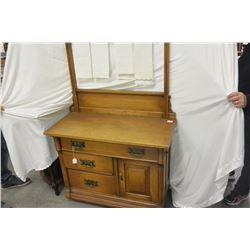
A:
120, 129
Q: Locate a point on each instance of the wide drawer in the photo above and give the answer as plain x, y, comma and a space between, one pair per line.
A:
90, 163
109, 149
92, 182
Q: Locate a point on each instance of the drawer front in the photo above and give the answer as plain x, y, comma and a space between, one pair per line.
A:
92, 182
117, 150
90, 163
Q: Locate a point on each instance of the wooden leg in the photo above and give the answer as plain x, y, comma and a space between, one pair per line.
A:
54, 177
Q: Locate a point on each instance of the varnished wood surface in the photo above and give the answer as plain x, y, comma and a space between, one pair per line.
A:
141, 131
139, 180
72, 74
112, 150
103, 165
110, 200
120, 92
166, 80
104, 184
122, 103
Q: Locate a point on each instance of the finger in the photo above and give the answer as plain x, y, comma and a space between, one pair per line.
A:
238, 106
234, 98
233, 94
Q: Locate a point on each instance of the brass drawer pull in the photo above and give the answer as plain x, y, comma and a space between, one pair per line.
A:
78, 144
87, 163
136, 151
90, 183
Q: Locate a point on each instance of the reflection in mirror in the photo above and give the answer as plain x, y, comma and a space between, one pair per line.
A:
119, 66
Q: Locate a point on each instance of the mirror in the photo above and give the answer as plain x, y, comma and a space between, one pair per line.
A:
119, 66
130, 80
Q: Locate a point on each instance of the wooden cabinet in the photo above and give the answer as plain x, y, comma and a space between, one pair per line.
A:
120, 144
129, 170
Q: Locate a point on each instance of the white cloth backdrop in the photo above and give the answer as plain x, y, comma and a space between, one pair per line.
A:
36, 80
124, 60
100, 60
209, 139
140, 71
35, 93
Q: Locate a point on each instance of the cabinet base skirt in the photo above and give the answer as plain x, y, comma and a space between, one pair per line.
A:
108, 200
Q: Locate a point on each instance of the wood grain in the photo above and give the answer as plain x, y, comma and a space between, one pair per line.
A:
140, 104
72, 74
129, 130
112, 150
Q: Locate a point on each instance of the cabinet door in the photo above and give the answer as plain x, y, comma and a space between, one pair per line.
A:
139, 180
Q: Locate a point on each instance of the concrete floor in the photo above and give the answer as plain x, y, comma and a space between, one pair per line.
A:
40, 195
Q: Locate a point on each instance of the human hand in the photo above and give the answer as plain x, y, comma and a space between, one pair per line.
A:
238, 99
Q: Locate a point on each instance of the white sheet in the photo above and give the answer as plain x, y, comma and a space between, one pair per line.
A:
100, 60
28, 148
157, 85
36, 80
82, 58
209, 138
36, 92
143, 61
124, 60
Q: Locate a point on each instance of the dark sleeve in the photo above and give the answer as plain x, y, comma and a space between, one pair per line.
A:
247, 108
5, 46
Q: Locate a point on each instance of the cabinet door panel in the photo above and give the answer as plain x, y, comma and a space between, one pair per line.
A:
139, 180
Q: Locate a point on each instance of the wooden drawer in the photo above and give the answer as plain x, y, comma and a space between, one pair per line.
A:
90, 163
109, 149
92, 182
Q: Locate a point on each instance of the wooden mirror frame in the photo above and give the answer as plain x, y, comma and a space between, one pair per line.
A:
139, 103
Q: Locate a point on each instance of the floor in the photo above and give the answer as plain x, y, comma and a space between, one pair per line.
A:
40, 195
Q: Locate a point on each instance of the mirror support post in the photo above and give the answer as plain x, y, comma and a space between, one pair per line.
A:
166, 80
72, 76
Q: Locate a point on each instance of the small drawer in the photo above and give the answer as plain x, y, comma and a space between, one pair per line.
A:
92, 182
90, 163
110, 149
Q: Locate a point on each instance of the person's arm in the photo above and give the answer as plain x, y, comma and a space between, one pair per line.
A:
247, 107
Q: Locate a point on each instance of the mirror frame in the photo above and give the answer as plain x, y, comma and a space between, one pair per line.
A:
164, 105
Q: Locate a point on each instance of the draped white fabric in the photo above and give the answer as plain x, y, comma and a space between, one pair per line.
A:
209, 139
143, 61
138, 66
36, 80
28, 148
100, 60
82, 59
35, 93
124, 60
